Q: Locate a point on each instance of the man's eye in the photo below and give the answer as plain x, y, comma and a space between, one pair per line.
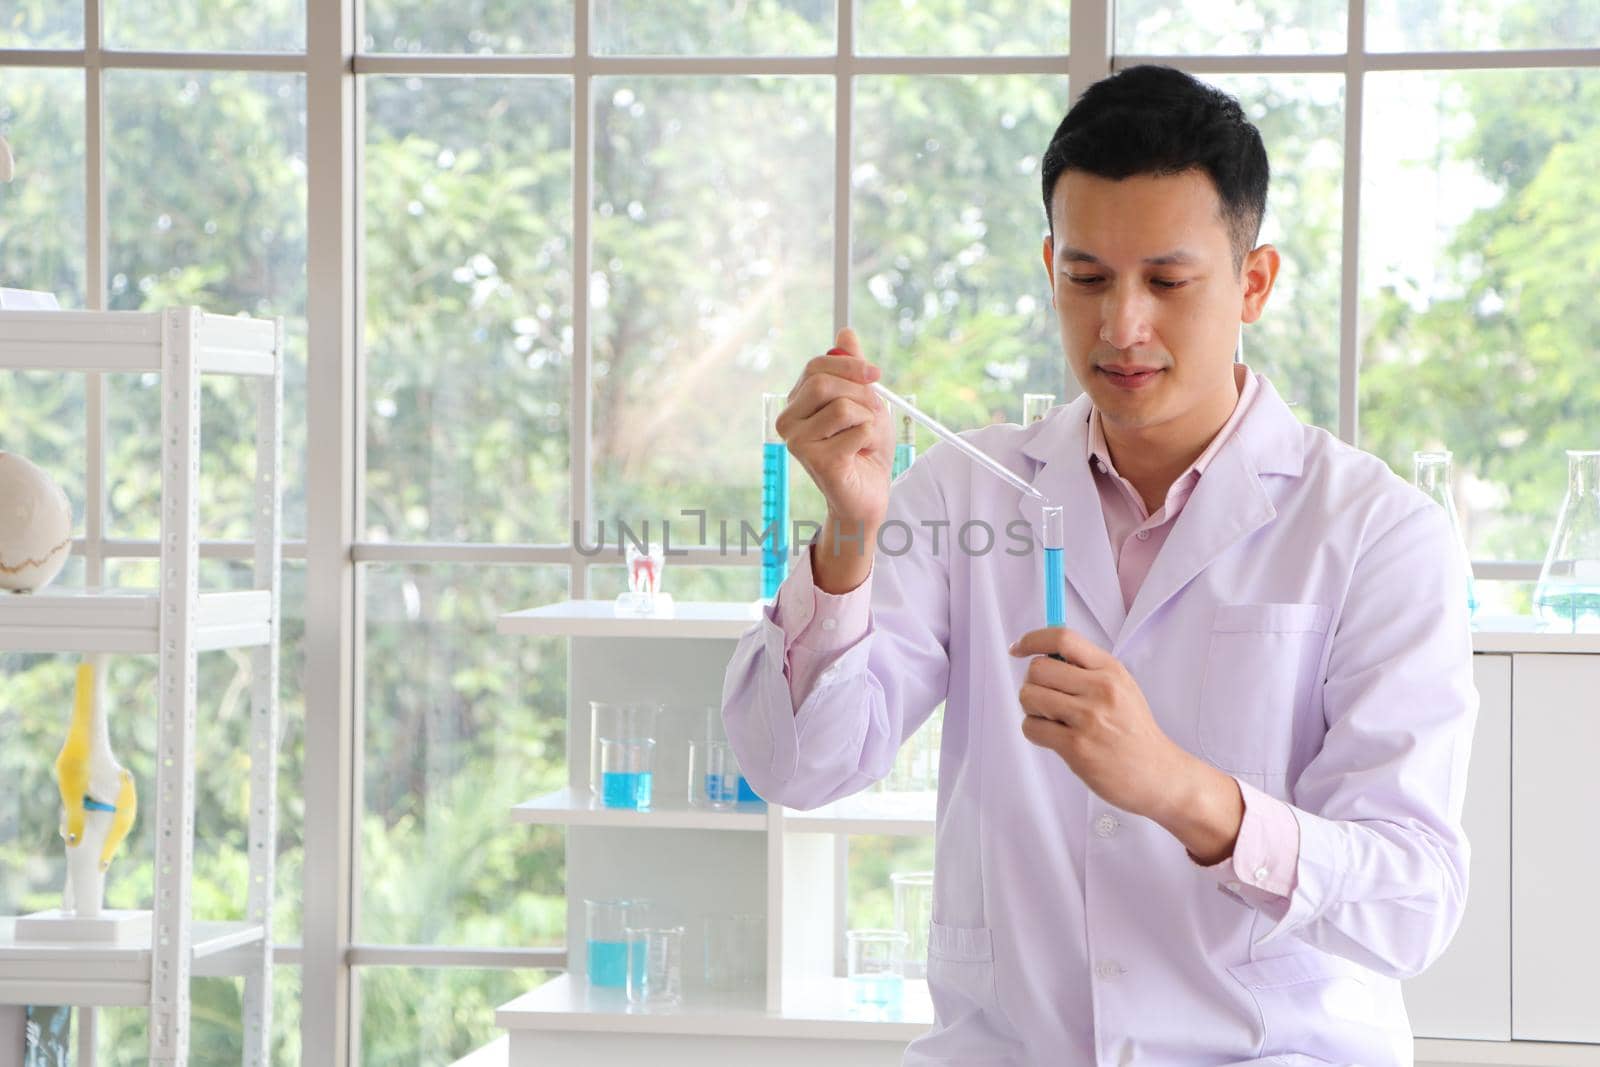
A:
1167, 283
1083, 279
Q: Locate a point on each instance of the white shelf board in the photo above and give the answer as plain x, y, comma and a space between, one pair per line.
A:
130, 342
898, 814
63, 619
820, 1008
599, 618
579, 807
44, 972
1509, 633
1431, 1051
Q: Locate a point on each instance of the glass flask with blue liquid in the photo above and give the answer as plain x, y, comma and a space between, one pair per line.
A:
1431, 474
1567, 598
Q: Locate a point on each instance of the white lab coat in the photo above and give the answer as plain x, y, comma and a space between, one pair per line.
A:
1304, 628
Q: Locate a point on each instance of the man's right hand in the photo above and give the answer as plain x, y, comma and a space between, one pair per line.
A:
843, 435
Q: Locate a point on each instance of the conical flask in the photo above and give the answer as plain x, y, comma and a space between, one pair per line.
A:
1431, 474
1567, 599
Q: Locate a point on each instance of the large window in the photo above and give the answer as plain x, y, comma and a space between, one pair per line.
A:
583, 251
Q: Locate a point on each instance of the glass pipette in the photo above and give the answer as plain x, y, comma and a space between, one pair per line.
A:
978, 456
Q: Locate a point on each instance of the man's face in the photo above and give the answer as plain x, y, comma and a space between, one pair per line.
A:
1144, 286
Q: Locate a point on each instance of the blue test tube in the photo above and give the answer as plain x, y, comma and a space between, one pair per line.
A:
774, 497
905, 443
1055, 593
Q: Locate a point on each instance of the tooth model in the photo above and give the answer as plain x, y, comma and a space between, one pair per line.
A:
98, 802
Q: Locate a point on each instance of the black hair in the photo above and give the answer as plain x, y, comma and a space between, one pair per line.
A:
1160, 121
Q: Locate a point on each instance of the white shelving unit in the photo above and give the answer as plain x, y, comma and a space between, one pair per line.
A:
1465, 1010
175, 622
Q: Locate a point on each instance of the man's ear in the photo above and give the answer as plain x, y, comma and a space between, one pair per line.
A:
1260, 272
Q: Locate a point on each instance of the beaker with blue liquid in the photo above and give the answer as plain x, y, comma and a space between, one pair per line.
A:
606, 926
875, 961
622, 739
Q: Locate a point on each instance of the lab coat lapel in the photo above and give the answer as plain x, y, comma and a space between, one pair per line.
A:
1060, 445
1228, 504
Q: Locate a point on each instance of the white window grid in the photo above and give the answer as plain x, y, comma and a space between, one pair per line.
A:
333, 66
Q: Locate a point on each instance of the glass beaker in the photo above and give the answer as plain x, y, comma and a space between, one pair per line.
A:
713, 775
874, 959
1567, 598
1034, 406
1430, 472
655, 965
606, 924
734, 952
913, 912
629, 721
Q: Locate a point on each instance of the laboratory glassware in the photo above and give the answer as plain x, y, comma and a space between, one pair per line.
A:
713, 774
1567, 598
733, 952
655, 965
774, 497
629, 721
1034, 406
874, 959
913, 912
606, 924
905, 441
626, 772
1431, 473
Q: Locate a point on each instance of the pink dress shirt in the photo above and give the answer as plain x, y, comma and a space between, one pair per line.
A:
817, 632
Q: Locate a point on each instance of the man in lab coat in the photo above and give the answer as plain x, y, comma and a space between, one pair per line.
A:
1226, 823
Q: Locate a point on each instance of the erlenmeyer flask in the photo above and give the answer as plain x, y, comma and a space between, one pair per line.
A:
1567, 598
1431, 474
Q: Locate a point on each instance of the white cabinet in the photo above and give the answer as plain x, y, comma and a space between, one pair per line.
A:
1555, 801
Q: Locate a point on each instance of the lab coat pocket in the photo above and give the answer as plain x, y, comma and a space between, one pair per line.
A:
971, 1027
1315, 1004
1259, 676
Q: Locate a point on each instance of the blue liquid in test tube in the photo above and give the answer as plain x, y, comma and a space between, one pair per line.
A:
774, 498
1055, 535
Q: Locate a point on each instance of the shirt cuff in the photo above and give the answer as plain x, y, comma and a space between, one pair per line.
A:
818, 622
1262, 870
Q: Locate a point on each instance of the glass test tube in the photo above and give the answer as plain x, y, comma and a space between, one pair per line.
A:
905, 442
774, 497
1055, 535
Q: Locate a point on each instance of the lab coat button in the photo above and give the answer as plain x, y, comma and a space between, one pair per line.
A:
830, 624
1233, 887
1106, 826
1108, 969
1144, 535
1261, 875
828, 675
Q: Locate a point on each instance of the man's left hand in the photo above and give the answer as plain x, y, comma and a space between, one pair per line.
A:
1091, 712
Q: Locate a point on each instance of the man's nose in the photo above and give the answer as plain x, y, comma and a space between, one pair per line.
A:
1125, 319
